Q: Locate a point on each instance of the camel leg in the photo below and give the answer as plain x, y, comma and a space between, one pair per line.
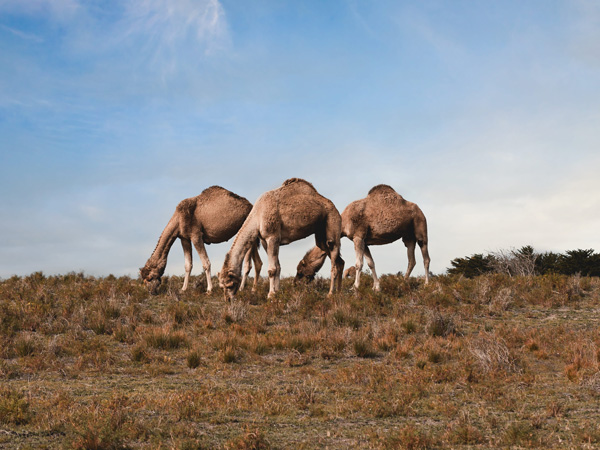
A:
199, 244
257, 266
426, 259
340, 268
334, 256
247, 267
371, 265
410, 251
359, 249
187, 255
274, 266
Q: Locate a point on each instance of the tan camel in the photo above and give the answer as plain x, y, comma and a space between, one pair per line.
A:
291, 212
380, 218
212, 217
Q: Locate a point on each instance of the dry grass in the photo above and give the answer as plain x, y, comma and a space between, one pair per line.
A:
491, 362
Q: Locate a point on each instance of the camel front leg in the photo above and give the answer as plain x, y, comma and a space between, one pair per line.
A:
410, 251
199, 244
371, 265
274, 266
187, 256
247, 267
359, 249
257, 266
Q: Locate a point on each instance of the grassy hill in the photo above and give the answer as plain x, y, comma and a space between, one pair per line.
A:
494, 361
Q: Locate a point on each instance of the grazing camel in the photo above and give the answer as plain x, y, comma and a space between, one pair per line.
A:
380, 218
291, 212
212, 217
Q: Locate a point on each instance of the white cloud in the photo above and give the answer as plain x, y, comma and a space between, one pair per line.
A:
168, 23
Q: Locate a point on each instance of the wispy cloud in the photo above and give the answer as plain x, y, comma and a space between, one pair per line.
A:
169, 23
23, 35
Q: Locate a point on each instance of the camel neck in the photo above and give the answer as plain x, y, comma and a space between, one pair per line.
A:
242, 243
165, 242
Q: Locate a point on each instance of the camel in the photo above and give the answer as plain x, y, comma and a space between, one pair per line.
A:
212, 217
291, 212
380, 218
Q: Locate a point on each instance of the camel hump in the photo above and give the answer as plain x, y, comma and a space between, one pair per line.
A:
214, 190
218, 190
298, 180
382, 189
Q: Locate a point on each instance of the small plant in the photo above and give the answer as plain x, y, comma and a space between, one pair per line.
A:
229, 355
165, 339
250, 440
14, 408
139, 354
440, 325
193, 359
492, 354
236, 312
409, 326
363, 347
519, 433
434, 357
411, 438
25, 346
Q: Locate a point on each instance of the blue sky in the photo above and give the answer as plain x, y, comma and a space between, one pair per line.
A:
111, 112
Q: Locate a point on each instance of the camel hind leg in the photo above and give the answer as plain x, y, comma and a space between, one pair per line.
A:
371, 265
187, 256
410, 251
332, 250
426, 259
359, 250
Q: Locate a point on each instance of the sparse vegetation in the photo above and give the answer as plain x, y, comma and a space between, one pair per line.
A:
494, 361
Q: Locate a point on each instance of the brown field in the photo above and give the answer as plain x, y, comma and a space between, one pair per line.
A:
492, 362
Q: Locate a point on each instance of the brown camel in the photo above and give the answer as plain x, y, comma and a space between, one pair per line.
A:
212, 217
380, 218
291, 212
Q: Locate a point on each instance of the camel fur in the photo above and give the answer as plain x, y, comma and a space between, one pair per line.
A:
384, 216
291, 212
212, 217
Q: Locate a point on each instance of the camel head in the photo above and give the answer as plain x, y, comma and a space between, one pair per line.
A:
151, 276
350, 272
229, 282
310, 264
304, 272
